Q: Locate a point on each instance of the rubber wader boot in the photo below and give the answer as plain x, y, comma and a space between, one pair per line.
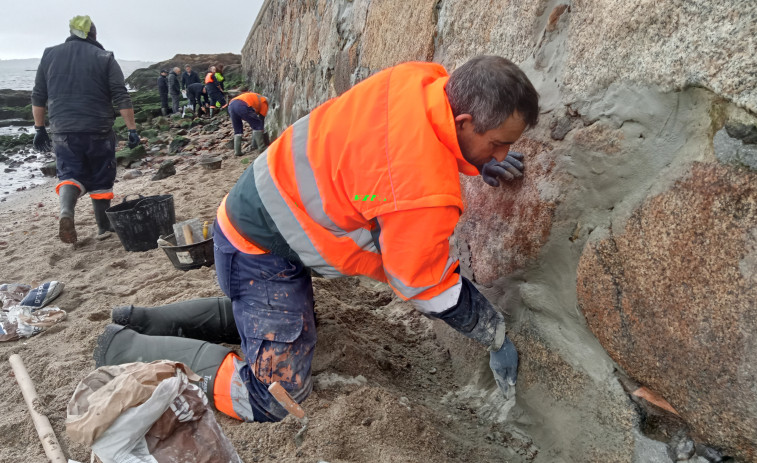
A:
257, 135
119, 345
104, 227
211, 111
237, 145
68, 195
209, 319
164, 112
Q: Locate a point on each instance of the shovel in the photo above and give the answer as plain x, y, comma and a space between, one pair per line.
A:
282, 397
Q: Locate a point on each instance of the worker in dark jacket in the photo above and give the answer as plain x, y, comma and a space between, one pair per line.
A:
195, 93
174, 88
80, 83
163, 91
188, 77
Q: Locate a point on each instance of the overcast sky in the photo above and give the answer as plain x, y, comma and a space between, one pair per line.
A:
143, 30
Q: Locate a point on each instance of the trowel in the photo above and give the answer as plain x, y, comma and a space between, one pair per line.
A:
282, 397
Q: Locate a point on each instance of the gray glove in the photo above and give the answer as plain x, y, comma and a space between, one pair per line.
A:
504, 365
509, 169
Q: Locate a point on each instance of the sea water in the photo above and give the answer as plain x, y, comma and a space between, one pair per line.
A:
21, 169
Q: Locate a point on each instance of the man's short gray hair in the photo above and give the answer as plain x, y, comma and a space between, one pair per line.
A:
490, 89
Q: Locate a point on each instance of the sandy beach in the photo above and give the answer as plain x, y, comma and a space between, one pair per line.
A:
383, 385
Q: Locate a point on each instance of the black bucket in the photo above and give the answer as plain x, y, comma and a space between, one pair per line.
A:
189, 256
139, 222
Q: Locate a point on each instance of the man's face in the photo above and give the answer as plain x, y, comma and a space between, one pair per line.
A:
188, 69
480, 148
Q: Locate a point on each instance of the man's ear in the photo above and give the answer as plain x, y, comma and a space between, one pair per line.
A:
461, 119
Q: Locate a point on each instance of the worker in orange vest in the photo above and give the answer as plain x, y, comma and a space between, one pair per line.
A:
252, 108
215, 88
366, 184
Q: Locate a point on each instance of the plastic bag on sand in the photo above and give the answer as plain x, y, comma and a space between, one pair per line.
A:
22, 313
19, 294
146, 412
23, 322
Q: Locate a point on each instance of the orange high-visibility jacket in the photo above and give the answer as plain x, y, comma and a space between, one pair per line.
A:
257, 102
208, 77
381, 161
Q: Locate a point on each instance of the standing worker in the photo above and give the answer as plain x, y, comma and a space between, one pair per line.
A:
195, 93
214, 86
163, 91
174, 89
366, 184
188, 77
252, 108
80, 82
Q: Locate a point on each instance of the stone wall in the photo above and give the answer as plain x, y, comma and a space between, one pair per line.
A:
631, 244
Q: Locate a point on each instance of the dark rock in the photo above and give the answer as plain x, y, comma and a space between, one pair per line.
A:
709, 453
671, 298
211, 127
49, 169
10, 98
560, 128
746, 133
165, 170
177, 144
143, 116
681, 447
9, 169
148, 133
126, 156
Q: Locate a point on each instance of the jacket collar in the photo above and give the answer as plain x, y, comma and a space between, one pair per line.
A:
88, 40
443, 122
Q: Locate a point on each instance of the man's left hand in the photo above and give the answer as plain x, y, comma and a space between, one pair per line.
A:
507, 170
133, 138
504, 365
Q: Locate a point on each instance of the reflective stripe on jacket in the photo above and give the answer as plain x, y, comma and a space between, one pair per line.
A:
257, 102
378, 165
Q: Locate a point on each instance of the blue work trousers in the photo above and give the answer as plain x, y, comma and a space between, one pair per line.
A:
239, 111
272, 300
88, 158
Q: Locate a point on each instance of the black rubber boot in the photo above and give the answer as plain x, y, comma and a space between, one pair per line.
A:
68, 195
209, 319
104, 226
119, 345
